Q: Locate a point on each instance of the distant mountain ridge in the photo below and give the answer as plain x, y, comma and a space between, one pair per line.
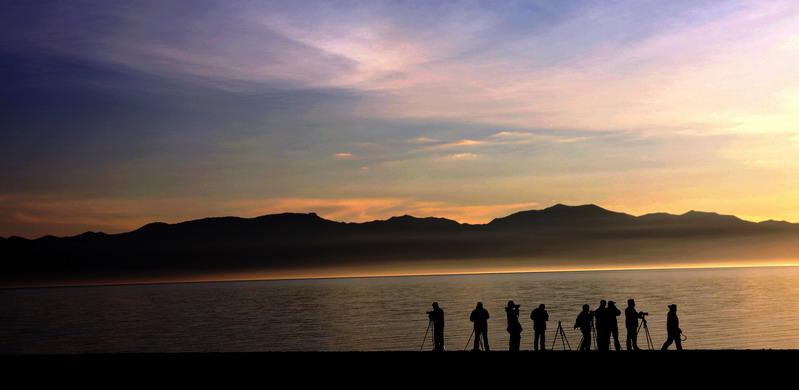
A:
557, 215
306, 240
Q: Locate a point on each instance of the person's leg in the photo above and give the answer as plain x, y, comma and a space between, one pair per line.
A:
629, 339
667, 344
543, 339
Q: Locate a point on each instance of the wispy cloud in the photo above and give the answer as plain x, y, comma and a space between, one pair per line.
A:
456, 144
423, 140
716, 66
461, 156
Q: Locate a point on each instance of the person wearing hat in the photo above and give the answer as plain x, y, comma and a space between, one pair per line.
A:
613, 312
631, 317
540, 318
673, 329
480, 318
437, 318
514, 327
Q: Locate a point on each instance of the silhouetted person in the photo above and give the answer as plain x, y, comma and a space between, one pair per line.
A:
673, 329
540, 318
613, 312
584, 323
514, 327
631, 317
602, 323
437, 317
480, 318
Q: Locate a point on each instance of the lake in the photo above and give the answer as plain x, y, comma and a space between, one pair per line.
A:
729, 308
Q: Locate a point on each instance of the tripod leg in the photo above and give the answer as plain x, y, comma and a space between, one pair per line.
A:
425, 334
470, 340
565, 340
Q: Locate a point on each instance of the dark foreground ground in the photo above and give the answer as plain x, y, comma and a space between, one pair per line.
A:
562, 369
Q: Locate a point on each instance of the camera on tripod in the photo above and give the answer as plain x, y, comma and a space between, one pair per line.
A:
642, 314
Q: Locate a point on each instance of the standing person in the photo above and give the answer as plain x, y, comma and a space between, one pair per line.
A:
673, 329
480, 318
540, 318
514, 327
602, 327
437, 317
584, 323
614, 312
631, 317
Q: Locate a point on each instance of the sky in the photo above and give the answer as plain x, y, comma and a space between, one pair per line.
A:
117, 114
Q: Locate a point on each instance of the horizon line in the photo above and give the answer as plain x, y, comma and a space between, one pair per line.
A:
431, 274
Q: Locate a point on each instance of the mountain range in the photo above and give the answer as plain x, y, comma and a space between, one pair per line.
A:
586, 235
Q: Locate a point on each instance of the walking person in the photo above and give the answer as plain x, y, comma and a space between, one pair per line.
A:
514, 327
540, 318
673, 329
480, 318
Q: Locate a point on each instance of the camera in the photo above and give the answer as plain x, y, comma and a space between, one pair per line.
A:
642, 314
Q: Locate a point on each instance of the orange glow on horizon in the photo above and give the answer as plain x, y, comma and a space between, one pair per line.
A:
343, 274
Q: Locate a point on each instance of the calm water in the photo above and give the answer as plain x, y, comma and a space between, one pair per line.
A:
743, 308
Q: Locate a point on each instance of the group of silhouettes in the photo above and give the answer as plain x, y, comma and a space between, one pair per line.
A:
600, 323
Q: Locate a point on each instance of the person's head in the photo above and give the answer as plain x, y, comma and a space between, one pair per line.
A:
511, 304
479, 305
602, 303
435, 305
631, 302
611, 303
672, 307
541, 306
586, 307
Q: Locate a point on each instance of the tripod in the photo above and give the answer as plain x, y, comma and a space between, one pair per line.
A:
649, 343
470, 340
425, 334
563, 340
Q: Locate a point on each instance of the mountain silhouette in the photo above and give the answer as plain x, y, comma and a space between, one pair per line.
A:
562, 215
583, 235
